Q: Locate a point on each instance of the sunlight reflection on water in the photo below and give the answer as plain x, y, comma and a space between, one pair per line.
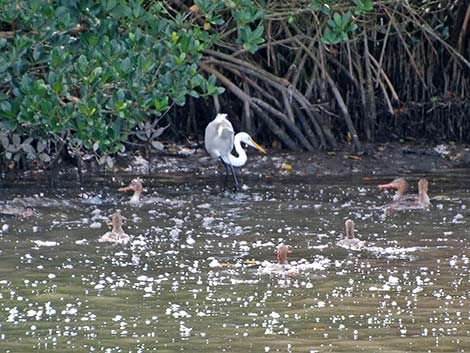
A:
199, 271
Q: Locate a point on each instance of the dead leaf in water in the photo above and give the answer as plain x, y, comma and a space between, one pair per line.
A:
286, 166
356, 158
457, 156
173, 149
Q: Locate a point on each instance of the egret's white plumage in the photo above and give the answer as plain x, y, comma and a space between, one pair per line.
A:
220, 139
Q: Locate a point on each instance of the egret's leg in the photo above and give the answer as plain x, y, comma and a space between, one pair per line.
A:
235, 180
226, 172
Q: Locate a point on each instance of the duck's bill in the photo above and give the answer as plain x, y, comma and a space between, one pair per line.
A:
386, 186
126, 188
258, 147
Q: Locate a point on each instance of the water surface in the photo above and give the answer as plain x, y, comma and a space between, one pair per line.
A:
192, 280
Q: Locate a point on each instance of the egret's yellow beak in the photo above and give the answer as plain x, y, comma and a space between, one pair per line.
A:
258, 147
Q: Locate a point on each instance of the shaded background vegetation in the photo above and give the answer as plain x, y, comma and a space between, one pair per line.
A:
95, 78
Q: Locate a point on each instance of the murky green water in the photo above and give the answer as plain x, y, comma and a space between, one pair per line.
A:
409, 291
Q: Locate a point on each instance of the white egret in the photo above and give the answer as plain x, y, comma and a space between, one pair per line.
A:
220, 139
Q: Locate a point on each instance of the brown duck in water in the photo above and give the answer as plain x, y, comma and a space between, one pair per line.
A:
414, 202
137, 187
350, 242
282, 252
117, 234
400, 185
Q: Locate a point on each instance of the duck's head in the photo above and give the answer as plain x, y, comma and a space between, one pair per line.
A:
423, 197
116, 221
423, 186
349, 225
135, 185
282, 252
399, 184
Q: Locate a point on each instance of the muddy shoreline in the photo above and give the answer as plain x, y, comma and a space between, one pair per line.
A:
177, 160
376, 159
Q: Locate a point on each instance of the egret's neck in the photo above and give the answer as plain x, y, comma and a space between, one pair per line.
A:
241, 159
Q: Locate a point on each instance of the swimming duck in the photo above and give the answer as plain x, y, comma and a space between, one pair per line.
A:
281, 254
282, 266
137, 187
350, 242
117, 235
423, 197
400, 185
416, 202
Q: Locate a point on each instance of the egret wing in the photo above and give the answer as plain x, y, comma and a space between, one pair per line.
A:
219, 138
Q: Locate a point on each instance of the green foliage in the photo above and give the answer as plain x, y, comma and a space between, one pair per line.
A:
96, 72
338, 28
246, 15
93, 74
323, 5
251, 39
362, 6
244, 12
